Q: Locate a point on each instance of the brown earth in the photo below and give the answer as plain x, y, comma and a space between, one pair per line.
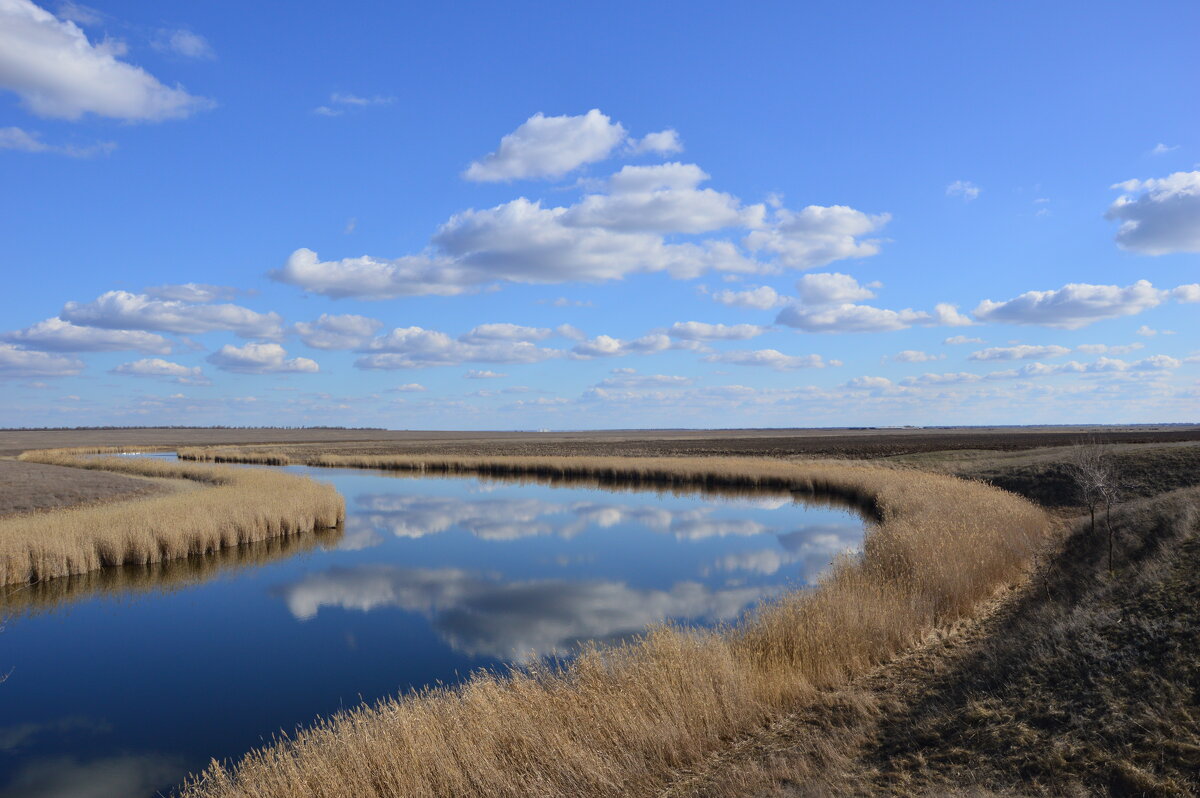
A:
30, 487
864, 442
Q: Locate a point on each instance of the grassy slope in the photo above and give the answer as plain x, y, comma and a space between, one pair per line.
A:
1078, 683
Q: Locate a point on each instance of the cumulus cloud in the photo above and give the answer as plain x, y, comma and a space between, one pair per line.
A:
1186, 293
664, 142
15, 138
661, 199
1022, 352
157, 367
947, 315
763, 297
964, 189
484, 374
58, 73
608, 346
410, 387
18, 362
416, 347
331, 331
636, 381
1104, 349
1073, 306
956, 340
56, 335
850, 318
121, 310
260, 358
816, 235
549, 146
700, 331
1158, 216
192, 292
915, 356
487, 333
772, 359
833, 288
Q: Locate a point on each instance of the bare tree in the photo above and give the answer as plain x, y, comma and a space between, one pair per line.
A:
1097, 479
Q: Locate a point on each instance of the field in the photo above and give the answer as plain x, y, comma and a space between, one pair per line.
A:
981, 646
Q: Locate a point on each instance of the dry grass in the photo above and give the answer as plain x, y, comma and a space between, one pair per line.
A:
617, 721
127, 582
234, 507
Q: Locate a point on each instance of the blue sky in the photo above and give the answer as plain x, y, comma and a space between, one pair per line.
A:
537, 215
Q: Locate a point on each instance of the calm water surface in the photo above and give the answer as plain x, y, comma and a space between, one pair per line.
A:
123, 681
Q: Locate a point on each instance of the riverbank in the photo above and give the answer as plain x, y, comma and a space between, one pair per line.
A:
618, 721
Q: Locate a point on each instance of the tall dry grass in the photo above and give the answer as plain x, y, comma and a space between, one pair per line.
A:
127, 582
232, 507
617, 721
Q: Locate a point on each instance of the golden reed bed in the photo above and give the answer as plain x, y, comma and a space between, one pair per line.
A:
618, 721
232, 507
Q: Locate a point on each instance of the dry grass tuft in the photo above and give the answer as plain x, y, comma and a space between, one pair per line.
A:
617, 721
234, 507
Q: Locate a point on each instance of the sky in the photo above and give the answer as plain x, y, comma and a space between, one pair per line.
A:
538, 215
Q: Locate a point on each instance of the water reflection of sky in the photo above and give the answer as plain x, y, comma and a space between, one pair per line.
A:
118, 688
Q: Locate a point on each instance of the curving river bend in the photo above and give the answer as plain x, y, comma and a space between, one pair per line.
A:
124, 680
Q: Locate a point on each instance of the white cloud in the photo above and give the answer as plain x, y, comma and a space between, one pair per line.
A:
1103, 349
607, 346
58, 73
661, 199
330, 331
121, 310
485, 374
1022, 352
763, 297
185, 43
947, 315
963, 188
869, 384
372, 278
850, 318
955, 340
1186, 293
833, 288
18, 362
56, 335
487, 333
416, 347
192, 292
1158, 216
549, 146
410, 387
772, 359
157, 367
260, 358
637, 381
1163, 149
817, 235
664, 142
1073, 306
915, 356
700, 331
941, 379
14, 138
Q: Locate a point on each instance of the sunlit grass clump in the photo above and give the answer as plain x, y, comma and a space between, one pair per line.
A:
229, 507
617, 721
